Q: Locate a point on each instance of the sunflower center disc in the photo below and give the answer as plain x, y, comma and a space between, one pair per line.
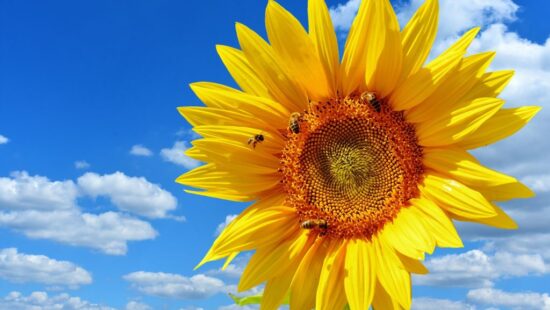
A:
351, 166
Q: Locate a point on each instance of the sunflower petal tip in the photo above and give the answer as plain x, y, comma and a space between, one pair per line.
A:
202, 262
536, 110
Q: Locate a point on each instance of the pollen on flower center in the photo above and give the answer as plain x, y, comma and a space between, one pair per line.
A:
351, 166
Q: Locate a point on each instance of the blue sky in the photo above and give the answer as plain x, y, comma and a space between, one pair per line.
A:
90, 141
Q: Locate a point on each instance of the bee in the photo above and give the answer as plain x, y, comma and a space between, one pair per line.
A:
370, 97
311, 224
255, 140
293, 123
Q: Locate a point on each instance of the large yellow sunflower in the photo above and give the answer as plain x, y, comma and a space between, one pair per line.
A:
356, 165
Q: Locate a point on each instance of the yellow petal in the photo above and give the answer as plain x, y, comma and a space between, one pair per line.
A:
277, 289
221, 194
456, 198
395, 280
396, 239
241, 71
321, 32
194, 153
491, 84
293, 46
418, 37
383, 301
384, 52
506, 192
304, 284
451, 92
270, 261
241, 135
462, 44
412, 265
197, 116
223, 97
464, 167
409, 228
423, 83
420, 85
207, 177
501, 220
251, 230
262, 58
460, 165
360, 279
503, 124
459, 123
437, 223
355, 52
226, 153
229, 259
330, 293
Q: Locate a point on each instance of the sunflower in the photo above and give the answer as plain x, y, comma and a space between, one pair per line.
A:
356, 165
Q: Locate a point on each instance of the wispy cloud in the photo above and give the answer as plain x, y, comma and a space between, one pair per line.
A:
3, 139
458, 16
477, 269
343, 14
38, 207
171, 285
131, 194
176, 155
140, 150
25, 268
424, 303
228, 219
41, 300
135, 305
233, 270
81, 164
513, 300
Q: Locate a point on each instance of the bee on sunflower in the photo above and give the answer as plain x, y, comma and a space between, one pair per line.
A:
356, 165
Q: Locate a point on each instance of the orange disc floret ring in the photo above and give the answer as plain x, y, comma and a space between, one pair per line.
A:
349, 165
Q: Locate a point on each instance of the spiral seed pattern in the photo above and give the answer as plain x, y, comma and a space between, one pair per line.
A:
352, 166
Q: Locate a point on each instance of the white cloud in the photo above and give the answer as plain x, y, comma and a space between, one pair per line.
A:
187, 133
24, 268
130, 194
22, 191
233, 270
140, 150
228, 219
42, 301
477, 269
108, 232
458, 16
454, 16
176, 286
424, 303
176, 155
3, 139
38, 208
526, 243
134, 305
235, 307
81, 164
191, 308
538, 183
523, 300
343, 14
